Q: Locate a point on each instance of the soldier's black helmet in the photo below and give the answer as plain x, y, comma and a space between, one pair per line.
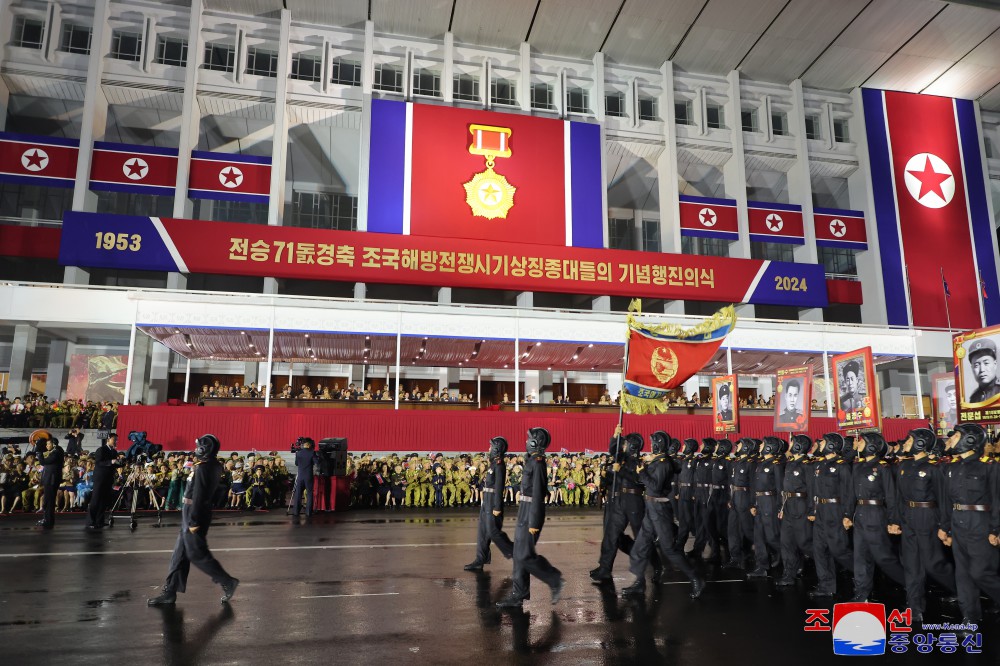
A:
690, 446
833, 442
707, 446
746, 447
633, 442
498, 447
659, 442
723, 448
800, 445
538, 440
772, 446
206, 447
973, 438
875, 445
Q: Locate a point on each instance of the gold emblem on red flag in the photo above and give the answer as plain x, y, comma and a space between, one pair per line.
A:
663, 364
489, 194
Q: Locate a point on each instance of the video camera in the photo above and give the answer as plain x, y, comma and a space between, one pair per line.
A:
141, 446
297, 444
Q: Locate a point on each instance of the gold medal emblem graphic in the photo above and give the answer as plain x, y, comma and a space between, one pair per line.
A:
663, 364
489, 194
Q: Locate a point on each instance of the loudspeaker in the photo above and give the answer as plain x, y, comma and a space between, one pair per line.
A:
333, 444
333, 451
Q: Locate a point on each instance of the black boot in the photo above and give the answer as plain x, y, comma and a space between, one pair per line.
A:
474, 566
166, 598
759, 572
697, 587
557, 590
229, 589
510, 602
600, 575
636, 589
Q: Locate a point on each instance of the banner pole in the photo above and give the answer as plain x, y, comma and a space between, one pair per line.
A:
621, 419
944, 291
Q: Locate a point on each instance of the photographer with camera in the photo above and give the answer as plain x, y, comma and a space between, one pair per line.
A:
51, 458
196, 518
305, 458
104, 480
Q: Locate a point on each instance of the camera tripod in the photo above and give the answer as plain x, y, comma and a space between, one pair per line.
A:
133, 482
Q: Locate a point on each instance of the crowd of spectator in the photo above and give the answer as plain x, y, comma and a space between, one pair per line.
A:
331, 392
37, 411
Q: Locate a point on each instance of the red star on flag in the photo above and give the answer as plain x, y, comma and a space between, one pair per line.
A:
708, 217
135, 167
837, 228
774, 222
230, 176
34, 159
930, 180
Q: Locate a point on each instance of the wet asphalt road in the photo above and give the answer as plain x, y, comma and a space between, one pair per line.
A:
383, 587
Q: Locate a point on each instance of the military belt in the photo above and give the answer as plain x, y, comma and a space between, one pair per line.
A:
922, 505
525, 498
704, 485
489, 490
187, 500
764, 493
743, 488
787, 495
650, 498
871, 502
828, 500
685, 485
630, 491
971, 507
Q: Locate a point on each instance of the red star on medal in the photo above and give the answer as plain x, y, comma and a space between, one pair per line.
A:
930, 180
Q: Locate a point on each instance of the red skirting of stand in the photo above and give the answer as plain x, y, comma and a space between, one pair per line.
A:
262, 429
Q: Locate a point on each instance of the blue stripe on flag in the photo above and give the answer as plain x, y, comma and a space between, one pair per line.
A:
847, 245
689, 198
131, 189
387, 166
229, 157
36, 180
886, 216
699, 233
587, 184
837, 212
982, 226
761, 205
771, 238
42, 140
138, 150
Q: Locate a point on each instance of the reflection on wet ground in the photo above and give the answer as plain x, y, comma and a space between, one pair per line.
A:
372, 586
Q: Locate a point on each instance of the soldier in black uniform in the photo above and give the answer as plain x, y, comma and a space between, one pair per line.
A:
705, 533
740, 524
686, 518
874, 509
658, 523
719, 505
305, 458
491, 509
920, 498
104, 480
766, 485
530, 519
796, 511
970, 519
51, 457
983, 360
832, 485
196, 518
624, 506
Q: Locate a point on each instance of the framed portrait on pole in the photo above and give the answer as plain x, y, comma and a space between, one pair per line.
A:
792, 399
945, 401
856, 390
725, 406
976, 380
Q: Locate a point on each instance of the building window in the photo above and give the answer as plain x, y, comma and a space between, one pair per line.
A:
220, 57
748, 120
812, 127
577, 101
32, 202
651, 235
621, 234
648, 109
715, 116
306, 68
28, 33
772, 251
705, 247
76, 38
171, 52
542, 97
245, 212
614, 105
840, 132
503, 92
388, 78
683, 113
427, 82
126, 45
466, 87
838, 261
321, 210
261, 62
988, 147
345, 72
779, 123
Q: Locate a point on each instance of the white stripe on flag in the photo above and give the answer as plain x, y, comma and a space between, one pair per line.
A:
168, 242
407, 168
756, 281
568, 175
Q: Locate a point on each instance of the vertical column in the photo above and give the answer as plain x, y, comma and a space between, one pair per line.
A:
524, 77
601, 304
57, 372
448, 69
139, 361
525, 299
22, 357
800, 188
597, 99
279, 149
666, 166
735, 172
444, 295
159, 364
190, 112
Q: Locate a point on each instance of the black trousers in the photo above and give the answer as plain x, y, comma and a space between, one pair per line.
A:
831, 546
491, 531
49, 491
686, 521
192, 549
975, 561
923, 555
300, 485
100, 500
620, 512
657, 528
766, 530
527, 562
872, 547
796, 536
707, 532
739, 525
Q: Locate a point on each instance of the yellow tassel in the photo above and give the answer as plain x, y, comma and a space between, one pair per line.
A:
724, 317
635, 306
639, 406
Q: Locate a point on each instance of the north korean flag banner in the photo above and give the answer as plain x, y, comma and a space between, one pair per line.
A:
38, 160
661, 357
931, 210
119, 167
775, 223
467, 173
226, 177
840, 228
705, 217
